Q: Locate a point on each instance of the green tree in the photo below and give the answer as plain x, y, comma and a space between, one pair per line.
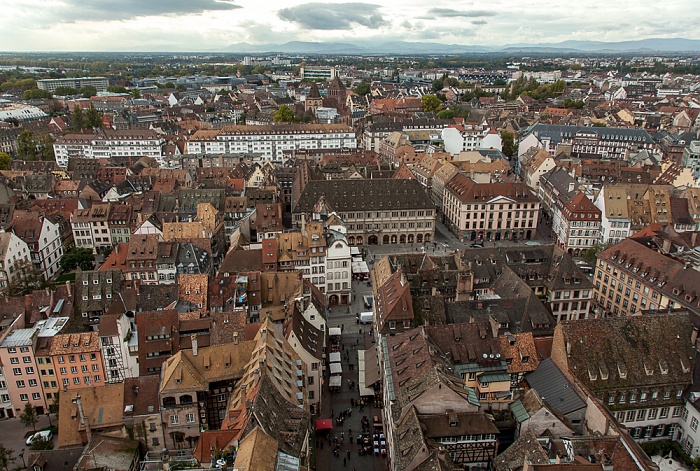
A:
65, 91
438, 85
77, 257
35, 94
283, 115
577, 104
446, 114
508, 143
88, 91
6, 457
590, 255
181, 88
53, 407
135, 93
169, 85
117, 89
431, 103
93, 118
40, 443
5, 161
78, 119
26, 147
45, 147
25, 279
28, 416
362, 88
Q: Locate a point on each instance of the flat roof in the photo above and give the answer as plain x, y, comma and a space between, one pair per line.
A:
19, 338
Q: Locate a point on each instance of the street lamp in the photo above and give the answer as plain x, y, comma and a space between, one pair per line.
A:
48, 414
21, 455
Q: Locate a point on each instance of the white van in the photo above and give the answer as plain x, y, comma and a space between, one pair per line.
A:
365, 317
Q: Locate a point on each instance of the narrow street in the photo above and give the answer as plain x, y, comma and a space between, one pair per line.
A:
335, 403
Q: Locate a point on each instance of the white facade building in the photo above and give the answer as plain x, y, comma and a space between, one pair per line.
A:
12, 250
109, 143
689, 436
100, 83
338, 266
461, 138
615, 223
272, 141
50, 249
116, 332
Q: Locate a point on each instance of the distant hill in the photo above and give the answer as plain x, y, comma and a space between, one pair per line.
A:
406, 47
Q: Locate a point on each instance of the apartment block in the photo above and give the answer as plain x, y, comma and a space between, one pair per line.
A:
271, 141
490, 211
78, 360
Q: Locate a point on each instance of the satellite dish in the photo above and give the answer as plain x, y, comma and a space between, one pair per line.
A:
485, 355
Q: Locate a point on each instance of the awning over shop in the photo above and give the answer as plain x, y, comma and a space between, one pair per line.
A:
334, 357
368, 370
336, 369
334, 331
359, 267
335, 381
324, 424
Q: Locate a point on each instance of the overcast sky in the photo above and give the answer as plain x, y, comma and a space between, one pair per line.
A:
212, 25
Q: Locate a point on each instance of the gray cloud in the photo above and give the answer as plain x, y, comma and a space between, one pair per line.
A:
333, 16
479, 22
126, 9
451, 13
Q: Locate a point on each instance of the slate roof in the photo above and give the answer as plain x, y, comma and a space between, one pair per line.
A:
550, 383
369, 195
556, 133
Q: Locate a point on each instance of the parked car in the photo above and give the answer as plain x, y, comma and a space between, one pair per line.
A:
45, 434
477, 245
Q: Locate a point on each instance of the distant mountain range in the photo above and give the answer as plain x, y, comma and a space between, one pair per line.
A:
405, 47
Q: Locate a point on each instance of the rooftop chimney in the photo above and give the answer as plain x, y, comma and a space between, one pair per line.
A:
235, 338
194, 344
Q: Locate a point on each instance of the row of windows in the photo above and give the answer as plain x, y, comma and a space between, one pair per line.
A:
648, 414
623, 398
82, 356
86, 380
74, 369
175, 419
387, 214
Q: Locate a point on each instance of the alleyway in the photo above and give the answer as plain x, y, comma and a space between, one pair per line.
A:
335, 403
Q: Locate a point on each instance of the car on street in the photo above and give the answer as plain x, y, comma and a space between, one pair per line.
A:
477, 245
44, 434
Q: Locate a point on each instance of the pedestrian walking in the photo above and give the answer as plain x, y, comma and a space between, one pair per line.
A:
342, 436
344, 462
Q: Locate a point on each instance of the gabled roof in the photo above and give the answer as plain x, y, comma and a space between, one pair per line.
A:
186, 371
550, 383
630, 352
257, 451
